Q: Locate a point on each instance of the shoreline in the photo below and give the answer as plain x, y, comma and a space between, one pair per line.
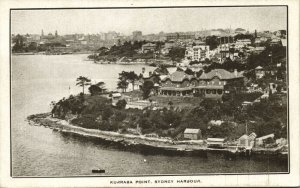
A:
160, 144
43, 53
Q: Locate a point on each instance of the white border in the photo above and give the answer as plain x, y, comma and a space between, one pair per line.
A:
291, 179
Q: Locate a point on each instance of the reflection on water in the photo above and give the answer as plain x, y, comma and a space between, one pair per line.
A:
37, 151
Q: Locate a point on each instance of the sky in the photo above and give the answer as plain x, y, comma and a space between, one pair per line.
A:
92, 21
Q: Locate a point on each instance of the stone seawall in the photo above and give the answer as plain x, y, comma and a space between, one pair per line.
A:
134, 141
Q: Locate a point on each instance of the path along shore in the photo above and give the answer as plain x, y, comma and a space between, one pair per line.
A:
128, 139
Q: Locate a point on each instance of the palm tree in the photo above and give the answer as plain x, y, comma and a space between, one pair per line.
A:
83, 81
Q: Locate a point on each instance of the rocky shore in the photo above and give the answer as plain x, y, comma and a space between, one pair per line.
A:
134, 141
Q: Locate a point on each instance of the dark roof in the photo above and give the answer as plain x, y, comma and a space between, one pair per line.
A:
178, 76
222, 74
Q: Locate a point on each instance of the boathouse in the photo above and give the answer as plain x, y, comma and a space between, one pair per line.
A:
193, 134
215, 142
245, 141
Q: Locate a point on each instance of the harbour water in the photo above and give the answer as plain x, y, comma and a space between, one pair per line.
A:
36, 80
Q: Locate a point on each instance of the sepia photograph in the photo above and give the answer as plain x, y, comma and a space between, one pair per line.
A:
149, 95
149, 91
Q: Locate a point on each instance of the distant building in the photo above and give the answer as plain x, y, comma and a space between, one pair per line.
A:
193, 134
275, 42
179, 36
198, 53
137, 35
148, 47
112, 35
242, 43
247, 141
215, 142
228, 50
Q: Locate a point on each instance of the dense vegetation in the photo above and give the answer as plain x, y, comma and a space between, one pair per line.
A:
21, 46
129, 51
96, 112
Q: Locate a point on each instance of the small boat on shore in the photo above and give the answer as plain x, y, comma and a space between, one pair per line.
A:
98, 170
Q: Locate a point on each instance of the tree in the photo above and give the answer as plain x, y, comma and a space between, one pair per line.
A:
121, 104
177, 53
122, 84
146, 88
83, 81
97, 88
19, 43
212, 41
189, 71
132, 77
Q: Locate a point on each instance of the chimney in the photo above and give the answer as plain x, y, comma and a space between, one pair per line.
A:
150, 73
235, 73
143, 70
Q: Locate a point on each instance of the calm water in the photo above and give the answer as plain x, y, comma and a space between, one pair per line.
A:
37, 151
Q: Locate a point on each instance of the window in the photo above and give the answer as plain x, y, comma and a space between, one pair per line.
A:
220, 91
208, 91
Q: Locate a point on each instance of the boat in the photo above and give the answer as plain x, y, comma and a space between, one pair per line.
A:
98, 170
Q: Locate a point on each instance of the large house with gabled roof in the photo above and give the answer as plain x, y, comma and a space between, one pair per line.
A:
208, 85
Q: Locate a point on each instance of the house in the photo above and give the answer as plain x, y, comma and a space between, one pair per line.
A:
262, 140
219, 81
197, 53
275, 42
208, 85
242, 43
247, 103
228, 50
177, 84
192, 134
246, 140
215, 142
148, 47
